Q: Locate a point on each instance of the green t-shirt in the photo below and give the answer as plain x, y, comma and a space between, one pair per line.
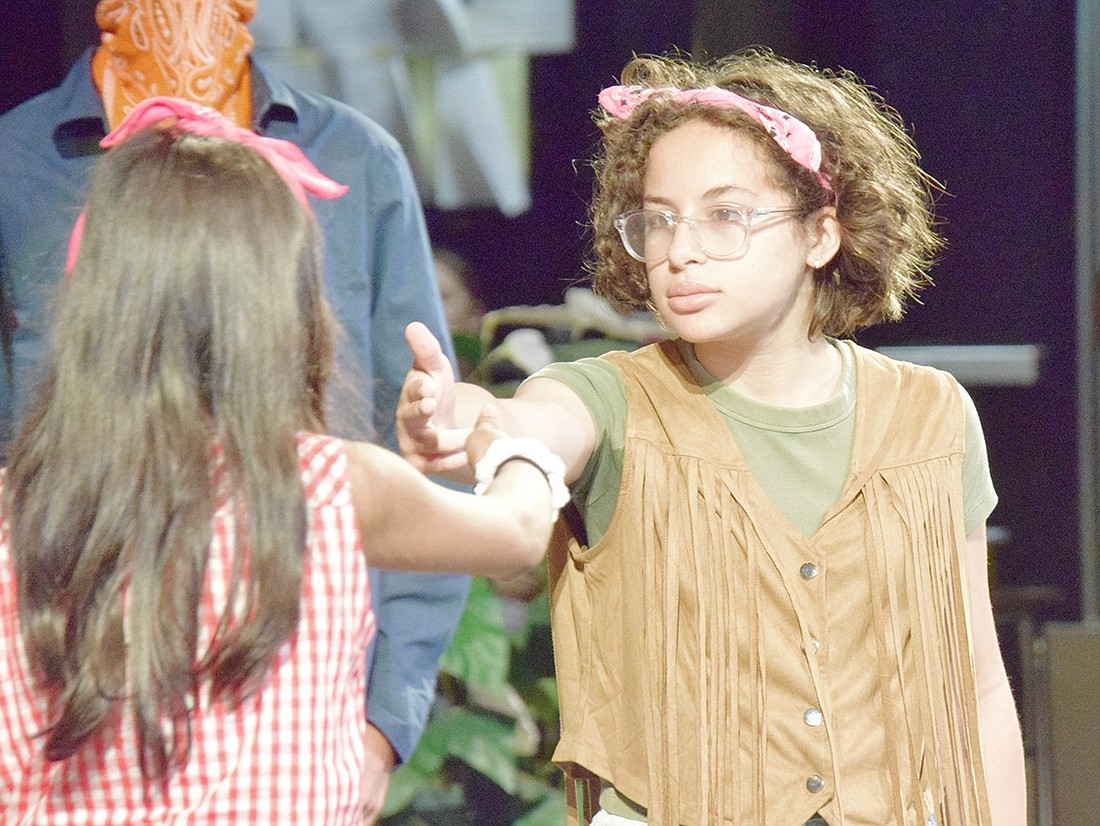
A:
799, 456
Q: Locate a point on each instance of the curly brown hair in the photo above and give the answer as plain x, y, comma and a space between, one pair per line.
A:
883, 198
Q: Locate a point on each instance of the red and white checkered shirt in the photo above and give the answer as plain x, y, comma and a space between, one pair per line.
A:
291, 754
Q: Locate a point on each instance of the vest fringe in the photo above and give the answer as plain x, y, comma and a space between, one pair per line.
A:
694, 542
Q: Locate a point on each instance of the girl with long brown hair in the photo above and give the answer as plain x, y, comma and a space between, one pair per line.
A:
184, 600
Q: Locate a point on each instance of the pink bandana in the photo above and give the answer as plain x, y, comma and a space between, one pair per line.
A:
796, 138
289, 161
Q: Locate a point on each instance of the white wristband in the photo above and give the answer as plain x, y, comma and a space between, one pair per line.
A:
531, 450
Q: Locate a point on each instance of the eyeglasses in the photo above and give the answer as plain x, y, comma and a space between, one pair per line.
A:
720, 231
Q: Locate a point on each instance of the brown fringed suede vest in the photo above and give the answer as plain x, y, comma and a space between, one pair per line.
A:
719, 667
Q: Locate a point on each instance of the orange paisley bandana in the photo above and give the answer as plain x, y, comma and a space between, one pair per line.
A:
191, 49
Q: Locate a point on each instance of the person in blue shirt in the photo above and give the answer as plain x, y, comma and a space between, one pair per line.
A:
378, 278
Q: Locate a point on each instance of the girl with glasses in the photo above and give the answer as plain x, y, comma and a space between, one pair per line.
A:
773, 607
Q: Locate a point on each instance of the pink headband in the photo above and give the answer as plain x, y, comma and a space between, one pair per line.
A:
796, 138
289, 161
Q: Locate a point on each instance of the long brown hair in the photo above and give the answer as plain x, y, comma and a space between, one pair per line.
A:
882, 196
192, 325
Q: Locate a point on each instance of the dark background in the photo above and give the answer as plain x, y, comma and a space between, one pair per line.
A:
988, 89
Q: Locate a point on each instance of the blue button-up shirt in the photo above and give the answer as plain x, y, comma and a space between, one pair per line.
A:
378, 277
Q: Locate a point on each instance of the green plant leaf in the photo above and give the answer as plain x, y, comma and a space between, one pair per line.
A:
550, 812
486, 745
494, 686
481, 651
422, 770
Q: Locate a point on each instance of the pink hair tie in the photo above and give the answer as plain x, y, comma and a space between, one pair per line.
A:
289, 161
793, 136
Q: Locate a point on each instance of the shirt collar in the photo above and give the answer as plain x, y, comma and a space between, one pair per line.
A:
272, 100
85, 122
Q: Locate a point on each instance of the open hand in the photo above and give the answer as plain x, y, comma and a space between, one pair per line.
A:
425, 411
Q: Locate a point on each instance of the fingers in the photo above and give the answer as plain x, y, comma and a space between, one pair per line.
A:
485, 431
427, 446
429, 379
426, 352
442, 463
419, 399
418, 396
378, 762
435, 451
489, 417
425, 410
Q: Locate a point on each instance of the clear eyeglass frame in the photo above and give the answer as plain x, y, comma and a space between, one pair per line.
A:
722, 231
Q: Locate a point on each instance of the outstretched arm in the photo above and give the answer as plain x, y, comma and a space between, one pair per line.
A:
410, 523
435, 413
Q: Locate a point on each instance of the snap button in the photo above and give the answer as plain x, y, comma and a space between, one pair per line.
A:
808, 570
813, 717
815, 783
